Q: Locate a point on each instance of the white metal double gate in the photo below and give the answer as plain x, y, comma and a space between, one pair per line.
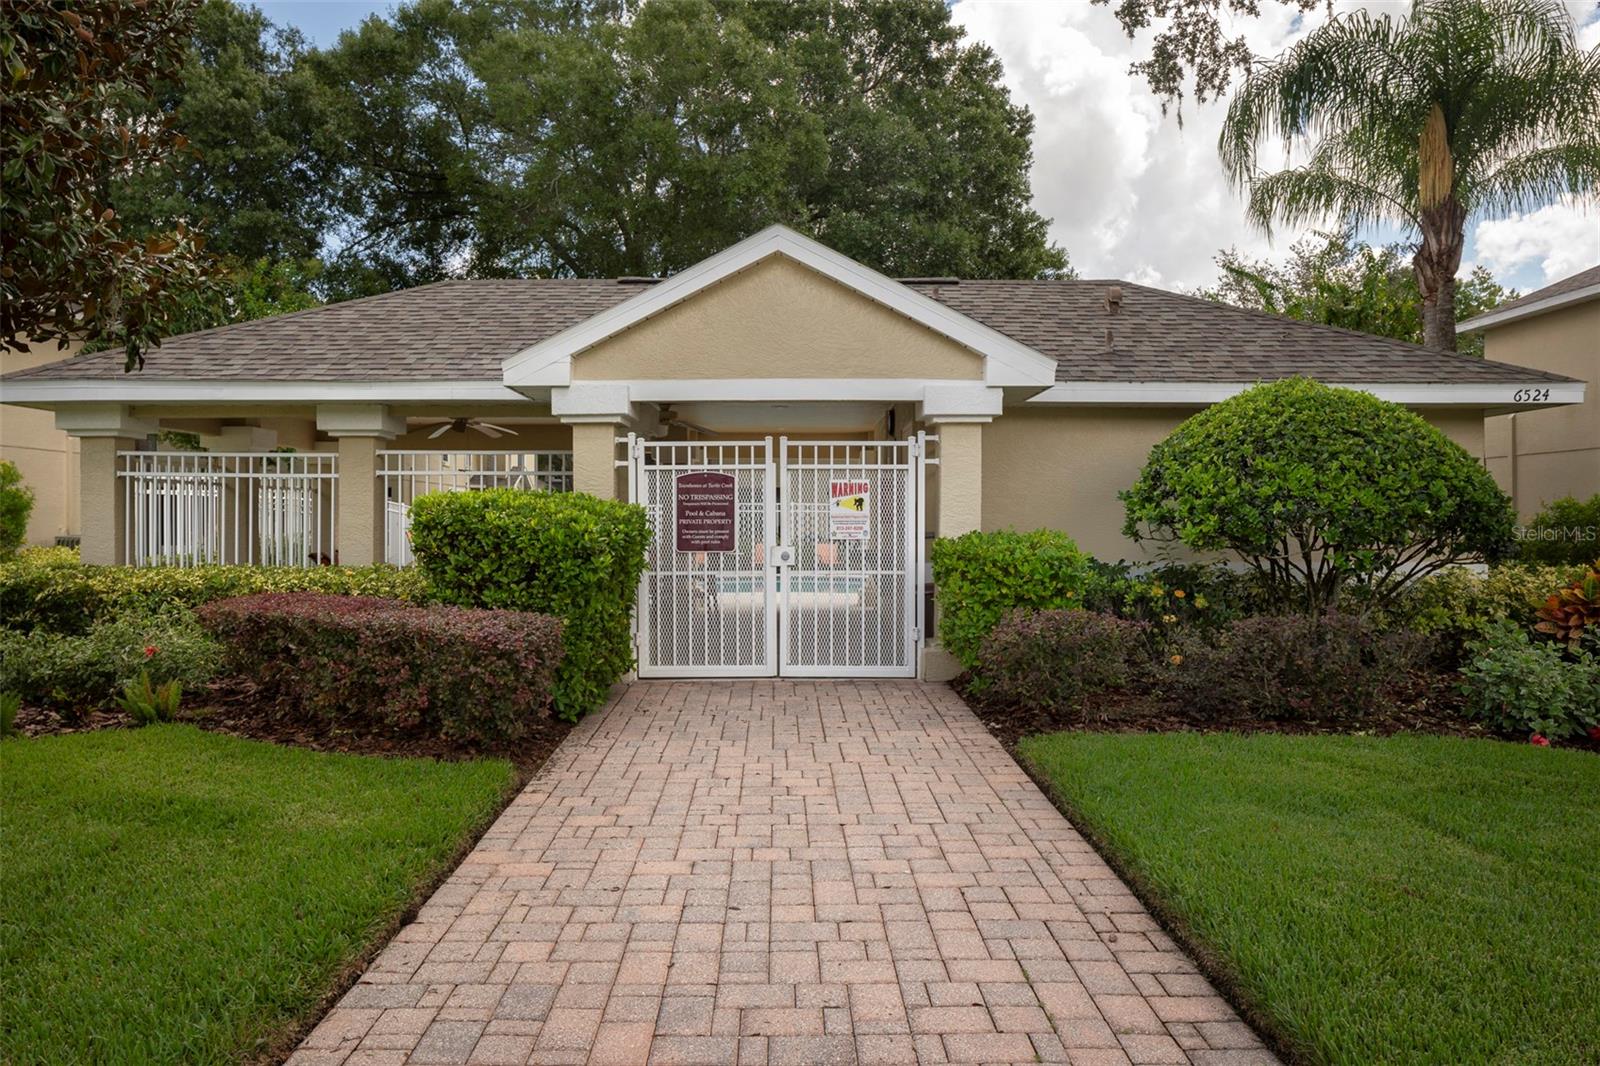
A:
801, 558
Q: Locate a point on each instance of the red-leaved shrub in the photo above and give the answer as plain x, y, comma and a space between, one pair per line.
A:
1291, 666
1053, 659
385, 666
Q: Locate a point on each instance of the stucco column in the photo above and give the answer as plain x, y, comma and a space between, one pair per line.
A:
361, 430
102, 430
361, 507
102, 502
960, 475
959, 510
594, 458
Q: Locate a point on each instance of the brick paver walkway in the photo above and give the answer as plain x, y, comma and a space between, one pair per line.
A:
782, 872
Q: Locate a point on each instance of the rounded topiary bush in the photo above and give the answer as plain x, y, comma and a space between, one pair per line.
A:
1318, 488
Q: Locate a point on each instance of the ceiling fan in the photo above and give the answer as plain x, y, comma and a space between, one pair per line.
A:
461, 425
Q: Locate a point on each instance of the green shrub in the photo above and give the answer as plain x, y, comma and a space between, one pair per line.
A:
1565, 533
16, 504
381, 665
1319, 488
1525, 686
573, 556
1177, 595
980, 577
1053, 659
49, 590
10, 704
76, 674
1291, 666
1457, 605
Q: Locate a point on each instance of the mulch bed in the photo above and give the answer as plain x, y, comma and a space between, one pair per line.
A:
1425, 703
234, 710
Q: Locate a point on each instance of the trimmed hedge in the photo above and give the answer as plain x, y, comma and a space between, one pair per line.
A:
378, 664
1053, 659
1293, 666
570, 555
50, 590
979, 577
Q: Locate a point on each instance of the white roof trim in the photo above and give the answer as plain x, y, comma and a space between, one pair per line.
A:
168, 390
1006, 362
1533, 394
1537, 307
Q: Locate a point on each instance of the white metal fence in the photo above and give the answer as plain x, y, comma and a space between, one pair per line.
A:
254, 508
409, 474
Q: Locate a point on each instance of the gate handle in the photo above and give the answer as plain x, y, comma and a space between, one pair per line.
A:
784, 555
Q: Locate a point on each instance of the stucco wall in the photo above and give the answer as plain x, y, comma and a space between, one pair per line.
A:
46, 457
777, 319
1062, 468
1558, 451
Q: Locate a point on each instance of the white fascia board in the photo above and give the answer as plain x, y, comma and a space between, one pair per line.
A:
1532, 395
1006, 361
157, 390
1537, 307
780, 390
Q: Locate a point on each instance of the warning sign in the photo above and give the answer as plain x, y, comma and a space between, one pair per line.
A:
849, 510
705, 507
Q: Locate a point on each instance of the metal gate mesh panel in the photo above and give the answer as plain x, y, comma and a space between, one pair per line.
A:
839, 598
846, 604
706, 613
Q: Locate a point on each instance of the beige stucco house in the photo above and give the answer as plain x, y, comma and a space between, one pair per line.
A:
797, 425
1540, 456
46, 457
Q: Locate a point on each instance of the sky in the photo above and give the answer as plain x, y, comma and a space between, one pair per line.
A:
1131, 193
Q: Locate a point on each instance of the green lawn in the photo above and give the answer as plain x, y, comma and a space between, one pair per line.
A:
172, 895
1402, 900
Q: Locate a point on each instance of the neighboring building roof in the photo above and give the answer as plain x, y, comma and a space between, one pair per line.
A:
462, 330
1579, 288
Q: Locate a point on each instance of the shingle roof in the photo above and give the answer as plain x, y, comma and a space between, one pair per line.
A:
1583, 279
462, 330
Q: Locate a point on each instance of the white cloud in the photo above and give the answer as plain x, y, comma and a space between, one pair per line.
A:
1131, 192
1134, 195
1561, 239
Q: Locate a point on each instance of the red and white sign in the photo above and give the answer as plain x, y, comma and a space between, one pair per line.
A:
849, 510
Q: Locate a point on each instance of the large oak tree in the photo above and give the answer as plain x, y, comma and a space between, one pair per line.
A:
547, 137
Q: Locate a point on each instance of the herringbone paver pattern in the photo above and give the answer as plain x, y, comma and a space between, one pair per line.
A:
782, 872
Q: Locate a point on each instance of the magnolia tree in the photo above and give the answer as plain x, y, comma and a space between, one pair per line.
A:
1320, 489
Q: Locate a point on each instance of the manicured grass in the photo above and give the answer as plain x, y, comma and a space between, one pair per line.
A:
172, 895
1401, 900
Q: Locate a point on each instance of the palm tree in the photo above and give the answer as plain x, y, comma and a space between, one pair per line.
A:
1468, 108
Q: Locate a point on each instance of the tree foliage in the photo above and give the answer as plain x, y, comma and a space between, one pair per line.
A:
261, 157
74, 121
548, 138
1319, 488
1465, 109
1195, 41
16, 505
1334, 280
